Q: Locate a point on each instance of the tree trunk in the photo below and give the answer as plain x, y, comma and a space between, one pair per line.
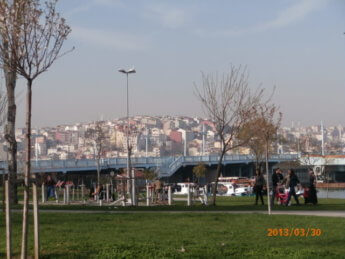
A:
219, 167
27, 170
3, 191
327, 181
10, 78
268, 182
98, 171
10, 81
132, 184
8, 221
36, 219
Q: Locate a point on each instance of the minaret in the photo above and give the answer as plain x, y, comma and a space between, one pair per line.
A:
322, 141
146, 142
203, 139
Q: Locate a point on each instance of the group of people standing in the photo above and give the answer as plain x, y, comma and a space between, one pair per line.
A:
289, 182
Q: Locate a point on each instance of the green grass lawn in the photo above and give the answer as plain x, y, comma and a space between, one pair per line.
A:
196, 235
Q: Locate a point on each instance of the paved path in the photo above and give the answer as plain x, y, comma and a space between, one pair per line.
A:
289, 212
312, 213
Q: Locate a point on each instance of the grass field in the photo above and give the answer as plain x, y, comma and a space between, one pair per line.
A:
189, 235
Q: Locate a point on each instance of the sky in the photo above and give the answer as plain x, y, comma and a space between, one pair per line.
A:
297, 46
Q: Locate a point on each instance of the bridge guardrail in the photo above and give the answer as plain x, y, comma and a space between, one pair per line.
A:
168, 164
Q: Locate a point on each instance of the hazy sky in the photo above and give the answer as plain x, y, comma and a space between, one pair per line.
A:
296, 45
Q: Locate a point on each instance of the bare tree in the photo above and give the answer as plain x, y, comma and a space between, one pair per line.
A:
268, 122
34, 35
229, 103
3, 107
7, 62
6, 208
97, 136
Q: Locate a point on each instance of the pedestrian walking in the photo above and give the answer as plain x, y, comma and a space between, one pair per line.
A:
50, 183
158, 189
312, 197
258, 186
291, 182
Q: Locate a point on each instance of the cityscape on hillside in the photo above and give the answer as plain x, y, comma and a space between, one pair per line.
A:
164, 136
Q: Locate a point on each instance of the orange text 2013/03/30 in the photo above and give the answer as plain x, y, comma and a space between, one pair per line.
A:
297, 232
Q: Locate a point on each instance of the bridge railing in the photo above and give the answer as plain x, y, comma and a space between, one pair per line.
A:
214, 158
170, 164
177, 163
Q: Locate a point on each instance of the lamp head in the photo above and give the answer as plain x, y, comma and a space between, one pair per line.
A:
132, 70
129, 71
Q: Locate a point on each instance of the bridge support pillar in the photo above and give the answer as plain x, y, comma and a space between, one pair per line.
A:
82, 193
67, 187
169, 195
64, 195
111, 191
148, 195
205, 195
189, 196
107, 192
57, 195
43, 193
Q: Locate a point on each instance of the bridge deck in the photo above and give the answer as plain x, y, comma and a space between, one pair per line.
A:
167, 165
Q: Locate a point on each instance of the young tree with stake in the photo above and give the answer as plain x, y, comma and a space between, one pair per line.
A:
36, 44
7, 62
97, 136
268, 122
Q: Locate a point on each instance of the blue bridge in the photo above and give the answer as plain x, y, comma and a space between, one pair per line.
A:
166, 166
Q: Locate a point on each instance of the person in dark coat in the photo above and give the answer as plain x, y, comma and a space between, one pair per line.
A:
292, 181
312, 197
50, 183
277, 178
258, 186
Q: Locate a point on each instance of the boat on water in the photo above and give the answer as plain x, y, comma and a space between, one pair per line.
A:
182, 188
231, 189
245, 181
227, 186
234, 186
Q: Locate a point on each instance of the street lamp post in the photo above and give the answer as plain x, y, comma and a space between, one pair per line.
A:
132, 185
